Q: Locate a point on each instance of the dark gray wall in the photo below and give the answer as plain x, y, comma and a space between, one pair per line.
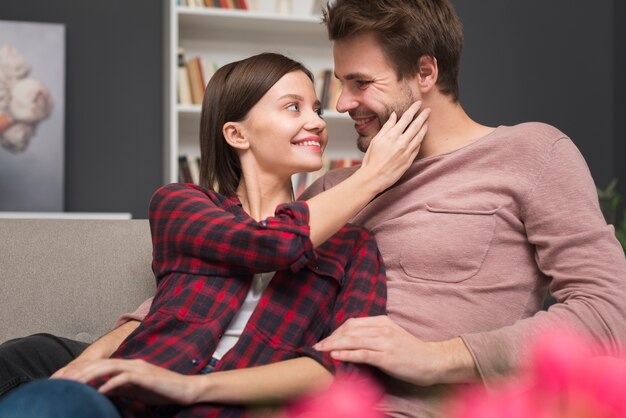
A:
113, 147
619, 19
550, 61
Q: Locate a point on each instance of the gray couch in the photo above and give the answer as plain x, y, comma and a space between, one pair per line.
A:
71, 278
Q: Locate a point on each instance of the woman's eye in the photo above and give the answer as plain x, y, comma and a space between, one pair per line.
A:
293, 107
320, 112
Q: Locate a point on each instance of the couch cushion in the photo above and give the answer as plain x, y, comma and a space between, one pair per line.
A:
71, 278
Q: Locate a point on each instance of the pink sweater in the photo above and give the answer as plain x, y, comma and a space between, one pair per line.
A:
472, 239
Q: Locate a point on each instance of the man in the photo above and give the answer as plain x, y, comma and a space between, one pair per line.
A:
478, 228
473, 234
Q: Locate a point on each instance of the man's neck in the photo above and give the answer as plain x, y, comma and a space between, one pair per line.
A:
449, 128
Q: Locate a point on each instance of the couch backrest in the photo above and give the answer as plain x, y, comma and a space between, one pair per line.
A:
71, 278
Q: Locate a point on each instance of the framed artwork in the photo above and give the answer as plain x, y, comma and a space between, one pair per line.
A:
32, 108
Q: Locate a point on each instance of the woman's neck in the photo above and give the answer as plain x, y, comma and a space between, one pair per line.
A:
261, 195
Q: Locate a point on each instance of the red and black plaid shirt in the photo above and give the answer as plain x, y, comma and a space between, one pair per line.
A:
206, 249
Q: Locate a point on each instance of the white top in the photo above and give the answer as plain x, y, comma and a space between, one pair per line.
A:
236, 326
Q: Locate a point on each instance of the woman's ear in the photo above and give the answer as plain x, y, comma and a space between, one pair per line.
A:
234, 135
427, 74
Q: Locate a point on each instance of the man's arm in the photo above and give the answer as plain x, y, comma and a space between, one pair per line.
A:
580, 255
100, 349
108, 343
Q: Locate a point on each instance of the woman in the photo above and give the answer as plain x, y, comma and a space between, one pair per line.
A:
241, 242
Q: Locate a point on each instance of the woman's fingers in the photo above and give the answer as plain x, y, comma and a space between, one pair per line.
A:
408, 117
416, 131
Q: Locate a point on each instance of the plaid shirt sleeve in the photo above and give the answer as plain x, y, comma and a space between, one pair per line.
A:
196, 223
363, 292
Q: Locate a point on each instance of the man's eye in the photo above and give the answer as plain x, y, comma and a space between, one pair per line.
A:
363, 83
293, 107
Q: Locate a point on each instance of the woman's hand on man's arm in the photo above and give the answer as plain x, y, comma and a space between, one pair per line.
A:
100, 349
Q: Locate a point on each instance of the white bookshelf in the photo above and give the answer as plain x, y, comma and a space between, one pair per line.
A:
224, 35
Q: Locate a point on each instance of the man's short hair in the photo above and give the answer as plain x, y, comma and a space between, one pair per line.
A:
405, 30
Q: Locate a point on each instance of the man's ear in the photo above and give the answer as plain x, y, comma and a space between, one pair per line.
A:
427, 74
235, 137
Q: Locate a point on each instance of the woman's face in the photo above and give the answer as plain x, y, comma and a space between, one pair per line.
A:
285, 131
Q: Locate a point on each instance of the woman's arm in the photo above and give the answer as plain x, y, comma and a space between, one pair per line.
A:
151, 384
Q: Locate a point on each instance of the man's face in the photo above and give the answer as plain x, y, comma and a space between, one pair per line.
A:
371, 90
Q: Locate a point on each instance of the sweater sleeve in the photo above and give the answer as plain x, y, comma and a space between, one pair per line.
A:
578, 252
138, 315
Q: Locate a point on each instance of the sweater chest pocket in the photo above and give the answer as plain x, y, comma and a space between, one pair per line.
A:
447, 245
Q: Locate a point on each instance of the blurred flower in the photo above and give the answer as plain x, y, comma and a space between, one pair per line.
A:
5, 92
23, 101
17, 137
563, 380
5, 121
12, 64
30, 100
346, 397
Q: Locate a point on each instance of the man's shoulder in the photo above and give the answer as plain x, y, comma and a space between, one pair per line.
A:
336, 176
328, 180
535, 132
530, 139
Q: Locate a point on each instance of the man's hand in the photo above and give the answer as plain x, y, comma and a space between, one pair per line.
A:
380, 342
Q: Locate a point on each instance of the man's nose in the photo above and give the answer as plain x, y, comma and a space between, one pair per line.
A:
346, 101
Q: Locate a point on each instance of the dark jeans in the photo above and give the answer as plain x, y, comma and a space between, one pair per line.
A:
57, 399
34, 357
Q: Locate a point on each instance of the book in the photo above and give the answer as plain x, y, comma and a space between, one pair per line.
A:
196, 82
323, 79
208, 69
184, 89
333, 93
194, 168
184, 173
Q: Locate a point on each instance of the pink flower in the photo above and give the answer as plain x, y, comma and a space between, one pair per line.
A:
562, 380
346, 397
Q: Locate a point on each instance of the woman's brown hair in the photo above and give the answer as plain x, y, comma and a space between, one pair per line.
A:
405, 30
230, 94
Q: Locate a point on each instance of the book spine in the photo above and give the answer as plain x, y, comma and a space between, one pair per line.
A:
184, 89
184, 174
195, 80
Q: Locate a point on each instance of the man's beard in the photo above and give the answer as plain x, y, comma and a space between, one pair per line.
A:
400, 106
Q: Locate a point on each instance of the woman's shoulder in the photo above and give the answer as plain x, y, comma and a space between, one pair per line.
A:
177, 195
188, 190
